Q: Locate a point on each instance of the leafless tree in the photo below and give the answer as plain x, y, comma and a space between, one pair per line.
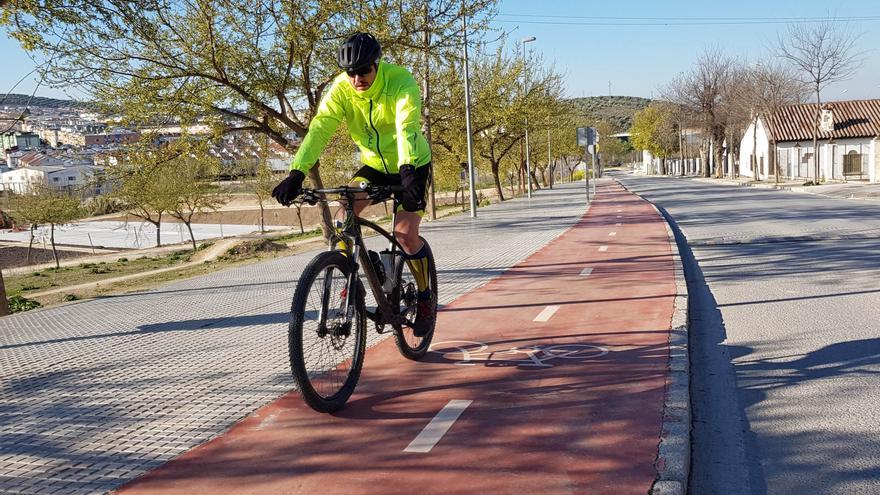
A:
702, 90
823, 53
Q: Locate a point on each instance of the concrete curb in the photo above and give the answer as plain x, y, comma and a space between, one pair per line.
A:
673, 461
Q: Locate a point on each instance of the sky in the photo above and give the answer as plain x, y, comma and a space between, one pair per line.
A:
628, 47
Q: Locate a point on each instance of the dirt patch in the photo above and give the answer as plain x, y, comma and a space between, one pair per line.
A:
15, 256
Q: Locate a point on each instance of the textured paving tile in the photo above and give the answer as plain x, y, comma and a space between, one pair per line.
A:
95, 393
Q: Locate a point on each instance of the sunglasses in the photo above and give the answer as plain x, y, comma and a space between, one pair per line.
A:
363, 71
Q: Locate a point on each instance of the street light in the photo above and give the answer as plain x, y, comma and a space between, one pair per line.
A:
525, 92
467, 117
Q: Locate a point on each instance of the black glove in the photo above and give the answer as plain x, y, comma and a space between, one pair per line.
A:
288, 189
413, 181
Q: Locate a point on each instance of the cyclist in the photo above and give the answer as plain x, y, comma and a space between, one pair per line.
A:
381, 105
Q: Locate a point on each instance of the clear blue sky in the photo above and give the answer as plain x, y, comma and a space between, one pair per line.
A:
636, 58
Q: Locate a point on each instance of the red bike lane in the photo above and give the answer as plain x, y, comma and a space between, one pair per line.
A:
549, 378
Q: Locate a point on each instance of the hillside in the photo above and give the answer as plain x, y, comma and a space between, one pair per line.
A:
17, 100
617, 110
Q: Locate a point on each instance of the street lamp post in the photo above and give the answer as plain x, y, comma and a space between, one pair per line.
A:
467, 119
525, 92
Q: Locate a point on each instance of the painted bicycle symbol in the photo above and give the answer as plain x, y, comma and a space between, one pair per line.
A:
470, 353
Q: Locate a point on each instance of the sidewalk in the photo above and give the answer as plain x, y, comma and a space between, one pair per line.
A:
98, 393
848, 190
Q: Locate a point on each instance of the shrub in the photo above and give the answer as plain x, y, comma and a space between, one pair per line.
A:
254, 247
70, 297
122, 260
18, 304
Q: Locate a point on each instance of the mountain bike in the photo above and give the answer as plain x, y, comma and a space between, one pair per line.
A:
327, 334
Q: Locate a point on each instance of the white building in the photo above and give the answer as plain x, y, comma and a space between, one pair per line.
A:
848, 145
23, 179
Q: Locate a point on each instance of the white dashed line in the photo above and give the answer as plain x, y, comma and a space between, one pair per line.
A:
603, 248
547, 313
586, 271
439, 425
612, 234
617, 224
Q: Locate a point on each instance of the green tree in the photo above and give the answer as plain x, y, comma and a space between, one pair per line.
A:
192, 192
259, 65
46, 206
654, 130
144, 184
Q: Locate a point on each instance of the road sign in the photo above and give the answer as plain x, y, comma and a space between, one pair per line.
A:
587, 136
582, 136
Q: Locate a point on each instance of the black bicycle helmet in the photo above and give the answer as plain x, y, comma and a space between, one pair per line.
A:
358, 51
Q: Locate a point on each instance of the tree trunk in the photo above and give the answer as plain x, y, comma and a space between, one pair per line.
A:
495, 166
705, 171
756, 174
52, 240
192, 237
4, 304
31, 243
771, 160
299, 217
158, 224
262, 218
326, 217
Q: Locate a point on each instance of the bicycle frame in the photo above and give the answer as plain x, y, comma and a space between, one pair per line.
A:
352, 236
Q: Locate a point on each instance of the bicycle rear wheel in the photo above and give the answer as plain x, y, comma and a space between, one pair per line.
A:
404, 300
326, 348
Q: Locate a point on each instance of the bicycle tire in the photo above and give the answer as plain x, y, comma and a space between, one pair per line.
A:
403, 301
326, 360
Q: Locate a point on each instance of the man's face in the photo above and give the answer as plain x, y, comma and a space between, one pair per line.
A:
362, 79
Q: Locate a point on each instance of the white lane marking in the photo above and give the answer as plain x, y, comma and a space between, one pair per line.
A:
612, 234
618, 224
603, 248
619, 210
547, 313
439, 425
586, 271
619, 216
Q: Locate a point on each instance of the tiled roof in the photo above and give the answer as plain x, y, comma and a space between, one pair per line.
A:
852, 119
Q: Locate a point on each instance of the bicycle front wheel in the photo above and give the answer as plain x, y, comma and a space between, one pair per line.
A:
326, 346
404, 299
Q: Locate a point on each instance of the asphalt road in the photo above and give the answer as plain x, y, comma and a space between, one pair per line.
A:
785, 336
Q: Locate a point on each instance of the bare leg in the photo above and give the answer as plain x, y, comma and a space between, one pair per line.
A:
407, 231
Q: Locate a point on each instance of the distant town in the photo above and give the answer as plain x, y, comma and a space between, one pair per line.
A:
67, 145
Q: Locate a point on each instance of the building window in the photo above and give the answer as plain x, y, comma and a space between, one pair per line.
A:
71, 177
54, 179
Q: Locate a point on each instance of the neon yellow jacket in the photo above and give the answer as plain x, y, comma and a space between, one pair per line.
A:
384, 121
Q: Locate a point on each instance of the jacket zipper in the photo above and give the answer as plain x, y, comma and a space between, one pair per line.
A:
378, 150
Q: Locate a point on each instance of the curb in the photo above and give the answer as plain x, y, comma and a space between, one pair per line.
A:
673, 462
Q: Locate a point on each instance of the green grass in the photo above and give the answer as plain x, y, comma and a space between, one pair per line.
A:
88, 272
